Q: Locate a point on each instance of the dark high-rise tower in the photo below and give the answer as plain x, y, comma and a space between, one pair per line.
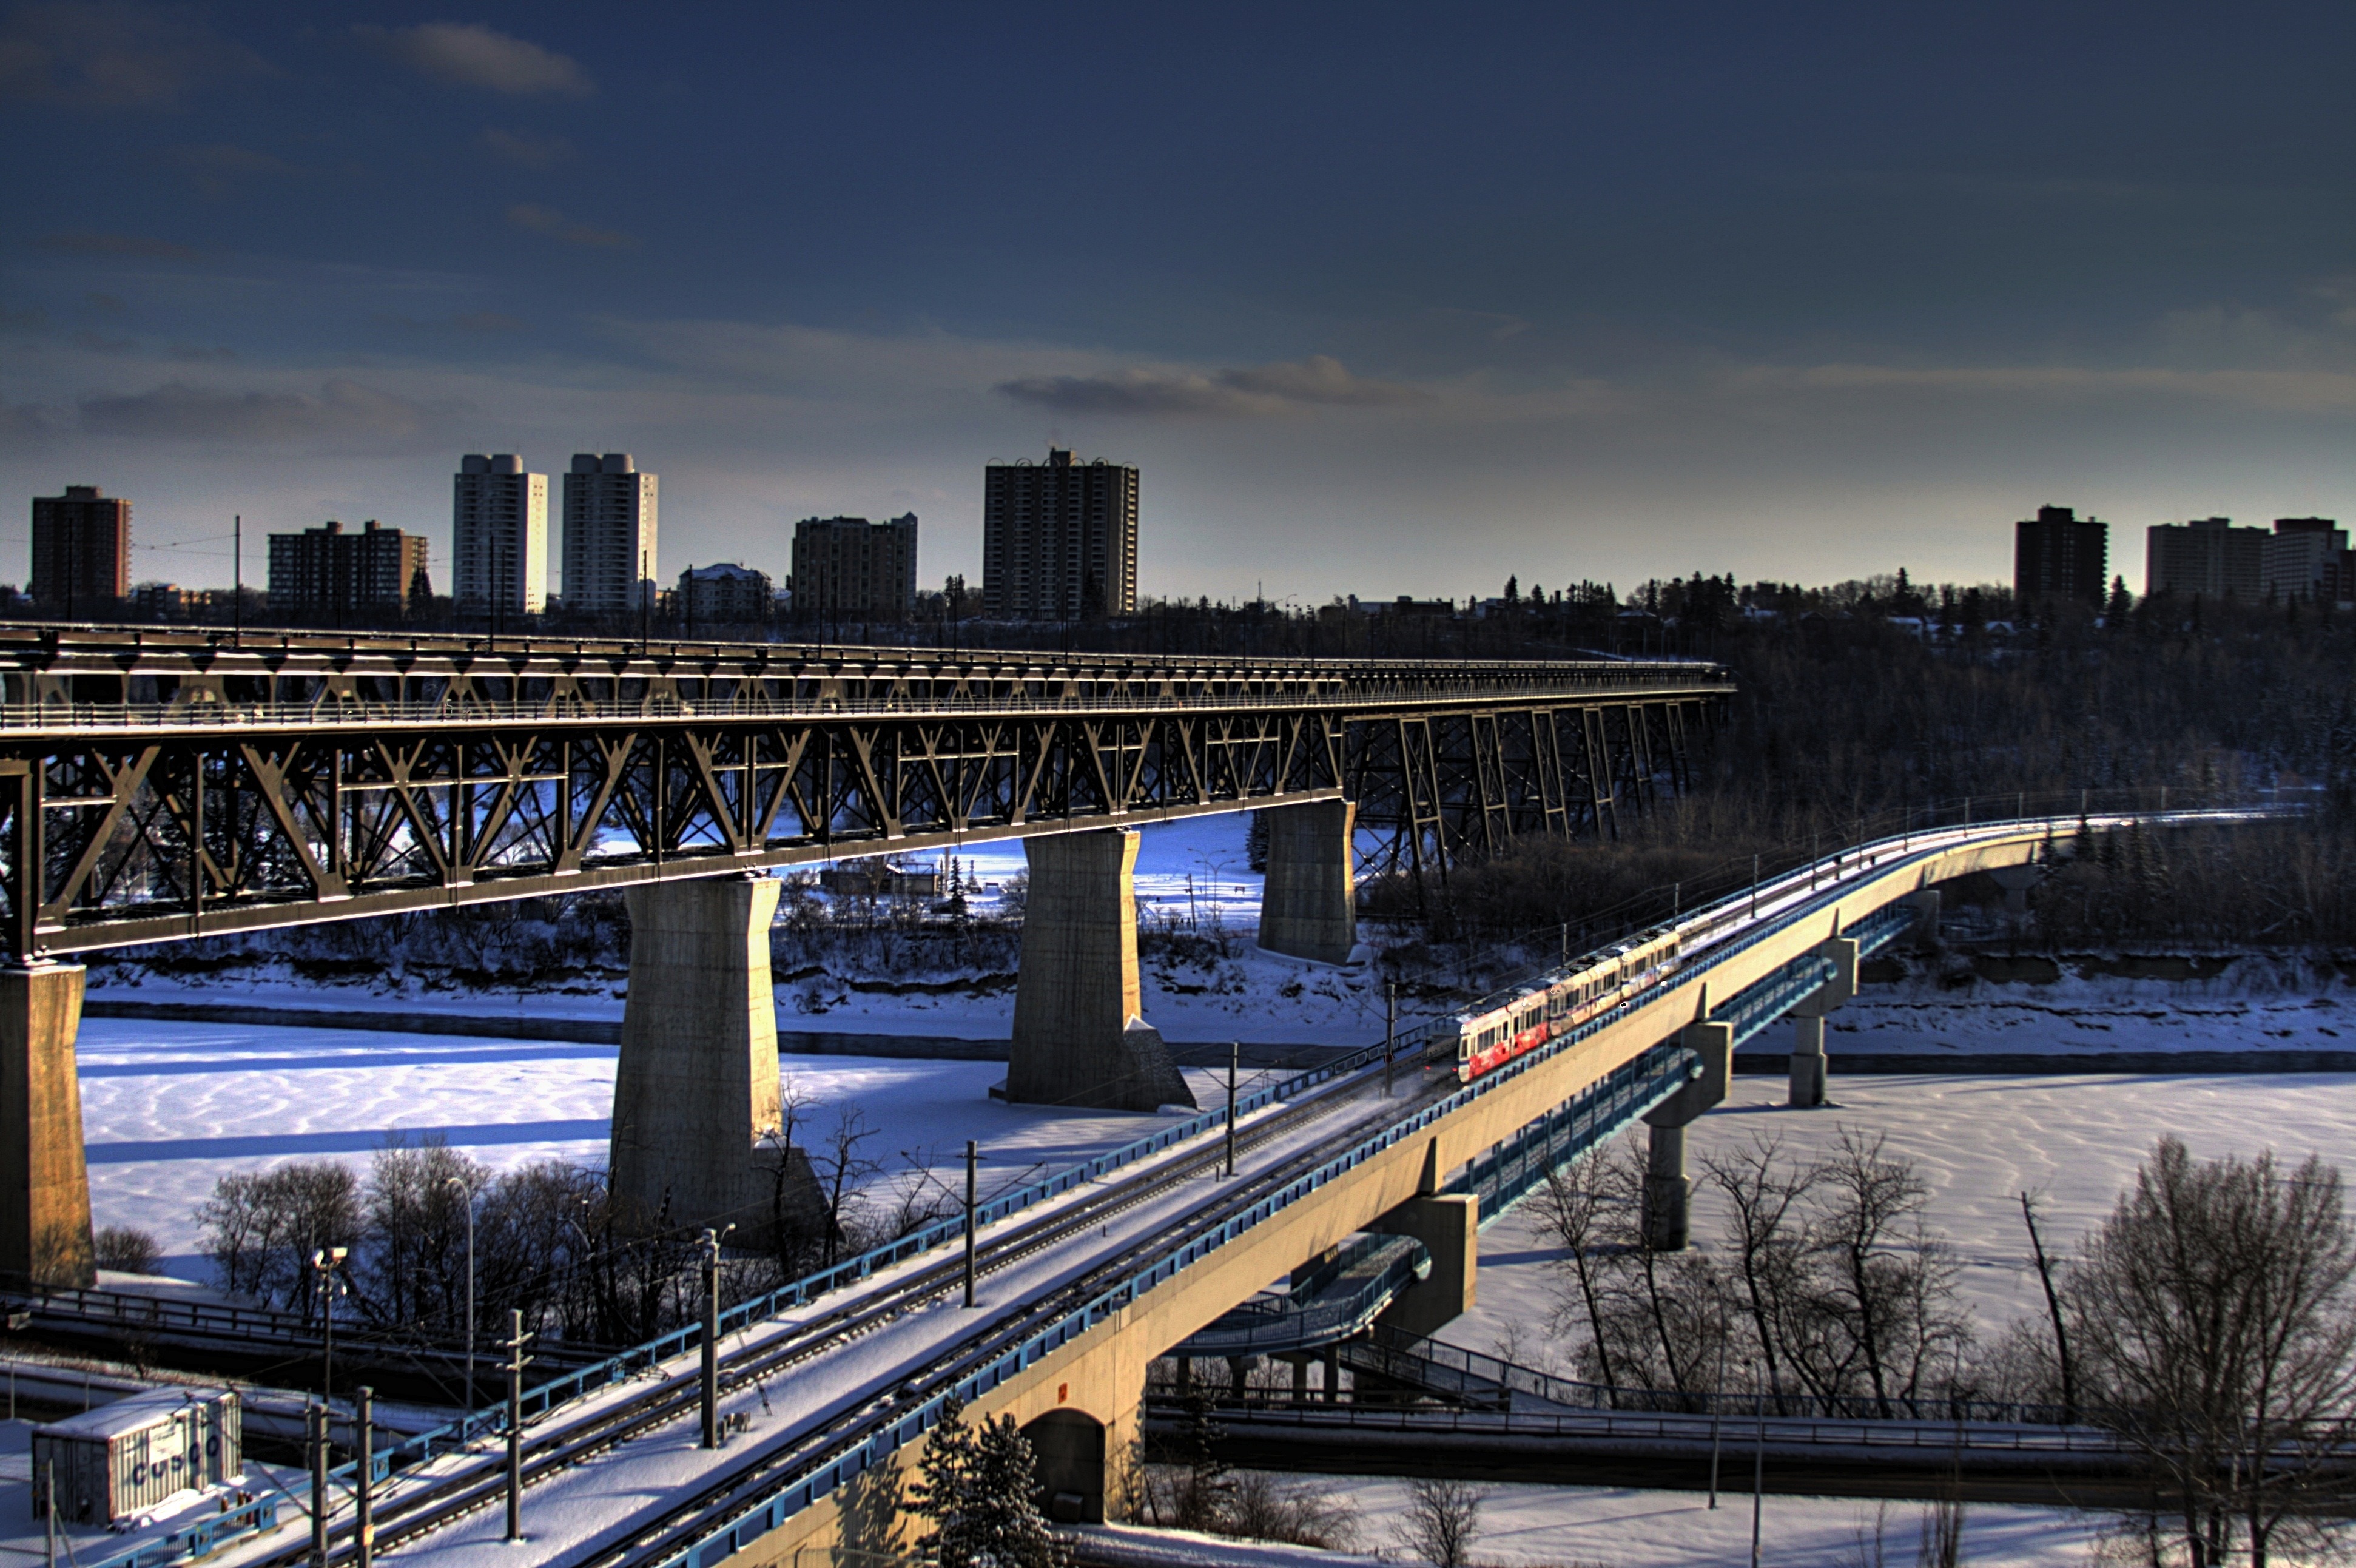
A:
82, 550
2061, 555
1058, 539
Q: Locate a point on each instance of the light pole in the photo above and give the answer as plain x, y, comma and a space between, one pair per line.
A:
466, 1197
325, 1264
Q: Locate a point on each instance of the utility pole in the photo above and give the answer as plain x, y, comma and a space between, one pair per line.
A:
364, 1518
1390, 1026
517, 1362
325, 1263
316, 1421
711, 1336
50, 1512
972, 1181
1235, 1050
237, 580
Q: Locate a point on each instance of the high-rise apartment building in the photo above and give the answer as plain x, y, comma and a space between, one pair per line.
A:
2061, 555
1058, 540
2208, 556
2303, 557
82, 551
498, 536
847, 568
609, 535
326, 573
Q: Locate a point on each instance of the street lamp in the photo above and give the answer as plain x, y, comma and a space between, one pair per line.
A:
466, 1197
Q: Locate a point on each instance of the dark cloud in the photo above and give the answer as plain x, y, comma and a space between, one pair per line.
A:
23, 320
105, 303
527, 148
343, 413
93, 242
485, 321
197, 354
102, 56
550, 221
1318, 381
94, 343
468, 54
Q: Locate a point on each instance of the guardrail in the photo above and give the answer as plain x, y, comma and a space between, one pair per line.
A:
1306, 1316
201, 1539
50, 717
1626, 1426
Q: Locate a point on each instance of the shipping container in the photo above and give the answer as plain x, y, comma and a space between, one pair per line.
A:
123, 1458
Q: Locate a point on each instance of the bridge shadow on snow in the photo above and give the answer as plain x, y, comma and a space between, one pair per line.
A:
349, 1059
269, 1144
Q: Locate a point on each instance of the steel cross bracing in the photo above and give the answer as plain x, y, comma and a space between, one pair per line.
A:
171, 785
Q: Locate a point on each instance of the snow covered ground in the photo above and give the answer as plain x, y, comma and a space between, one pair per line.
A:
1979, 1143
1611, 1527
167, 1109
2082, 1015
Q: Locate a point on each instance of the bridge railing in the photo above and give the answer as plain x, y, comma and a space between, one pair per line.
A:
80, 717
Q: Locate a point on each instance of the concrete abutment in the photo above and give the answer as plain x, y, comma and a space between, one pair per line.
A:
1449, 1226
1080, 1039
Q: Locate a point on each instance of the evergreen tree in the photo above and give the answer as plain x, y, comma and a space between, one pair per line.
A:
978, 1486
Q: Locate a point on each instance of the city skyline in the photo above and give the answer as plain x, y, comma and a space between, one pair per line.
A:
1613, 297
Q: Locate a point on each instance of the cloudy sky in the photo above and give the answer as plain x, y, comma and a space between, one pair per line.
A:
1381, 299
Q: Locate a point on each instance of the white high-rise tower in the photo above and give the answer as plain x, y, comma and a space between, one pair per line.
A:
498, 536
609, 535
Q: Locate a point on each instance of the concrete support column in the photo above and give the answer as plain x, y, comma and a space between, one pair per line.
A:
1079, 1040
2016, 881
43, 1184
1333, 1374
1300, 1379
1307, 908
1239, 1372
1926, 919
1809, 1067
1808, 1062
1449, 1226
1668, 1193
696, 1088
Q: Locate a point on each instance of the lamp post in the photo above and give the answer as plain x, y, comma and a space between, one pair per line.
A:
466, 1197
326, 1264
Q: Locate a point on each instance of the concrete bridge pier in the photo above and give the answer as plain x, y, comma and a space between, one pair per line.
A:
1079, 1038
695, 1092
44, 1184
1307, 908
1668, 1191
1926, 906
2016, 881
1808, 1066
1449, 1226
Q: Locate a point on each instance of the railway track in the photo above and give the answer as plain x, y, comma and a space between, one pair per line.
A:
405, 1514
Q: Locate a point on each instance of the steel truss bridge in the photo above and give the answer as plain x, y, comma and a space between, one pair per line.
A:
158, 784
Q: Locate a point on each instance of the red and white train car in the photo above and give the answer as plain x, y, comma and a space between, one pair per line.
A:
1560, 1002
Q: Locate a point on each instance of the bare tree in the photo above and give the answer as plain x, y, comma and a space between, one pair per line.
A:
842, 1167
1570, 1206
2216, 1308
1770, 1238
1443, 1520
